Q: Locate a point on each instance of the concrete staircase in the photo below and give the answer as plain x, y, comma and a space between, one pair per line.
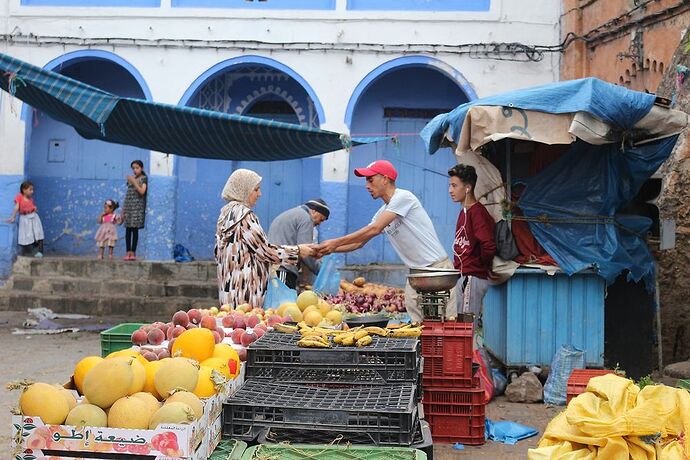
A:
96, 287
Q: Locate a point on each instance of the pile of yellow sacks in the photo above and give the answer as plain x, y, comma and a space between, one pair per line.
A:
614, 420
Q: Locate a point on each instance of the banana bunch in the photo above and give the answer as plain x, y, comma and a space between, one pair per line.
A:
313, 341
356, 337
405, 331
285, 328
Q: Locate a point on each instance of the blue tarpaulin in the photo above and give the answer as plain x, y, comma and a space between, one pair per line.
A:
186, 131
572, 205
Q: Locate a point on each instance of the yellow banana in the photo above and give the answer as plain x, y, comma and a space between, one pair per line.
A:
373, 330
407, 332
364, 341
360, 334
311, 334
285, 328
312, 342
348, 340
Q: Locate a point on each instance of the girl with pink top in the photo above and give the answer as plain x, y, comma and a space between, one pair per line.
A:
107, 232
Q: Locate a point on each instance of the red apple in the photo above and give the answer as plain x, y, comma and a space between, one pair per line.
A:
180, 318
208, 322
139, 337
236, 335
194, 316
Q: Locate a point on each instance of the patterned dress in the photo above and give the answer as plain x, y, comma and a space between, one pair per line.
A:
245, 256
134, 208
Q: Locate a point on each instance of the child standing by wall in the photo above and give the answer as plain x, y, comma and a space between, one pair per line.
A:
30, 227
107, 232
135, 207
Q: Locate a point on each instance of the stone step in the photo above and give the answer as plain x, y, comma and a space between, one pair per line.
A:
98, 305
109, 287
80, 267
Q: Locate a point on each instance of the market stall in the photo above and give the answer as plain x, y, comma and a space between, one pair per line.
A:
559, 162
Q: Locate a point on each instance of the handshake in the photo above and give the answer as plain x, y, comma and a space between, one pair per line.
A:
317, 250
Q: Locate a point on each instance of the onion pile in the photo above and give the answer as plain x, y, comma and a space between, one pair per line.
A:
391, 302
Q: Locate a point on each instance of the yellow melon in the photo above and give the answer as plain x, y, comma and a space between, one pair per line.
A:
324, 307
87, 415
82, 368
190, 399
196, 344
44, 401
229, 354
175, 412
335, 317
294, 312
109, 381
150, 402
139, 377
127, 353
208, 382
306, 299
68, 395
129, 412
176, 374
220, 365
285, 306
151, 369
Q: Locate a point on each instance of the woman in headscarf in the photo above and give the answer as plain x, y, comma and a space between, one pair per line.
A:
242, 251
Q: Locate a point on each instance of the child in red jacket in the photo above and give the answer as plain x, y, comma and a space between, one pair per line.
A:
474, 246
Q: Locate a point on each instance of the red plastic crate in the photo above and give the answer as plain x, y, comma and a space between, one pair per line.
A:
449, 382
465, 429
578, 380
444, 401
447, 349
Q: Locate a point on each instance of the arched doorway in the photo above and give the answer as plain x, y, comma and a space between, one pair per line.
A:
257, 87
399, 98
73, 176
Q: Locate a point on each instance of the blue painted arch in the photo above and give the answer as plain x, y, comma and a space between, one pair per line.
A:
401, 63
228, 64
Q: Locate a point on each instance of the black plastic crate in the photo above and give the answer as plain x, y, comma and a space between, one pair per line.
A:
388, 412
395, 359
421, 438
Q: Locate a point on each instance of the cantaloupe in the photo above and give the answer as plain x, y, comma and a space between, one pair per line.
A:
87, 415
176, 374
129, 412
150, 402
44, 401
175, 412
127, 353
80, 370
109, 381
190, 399
196, 344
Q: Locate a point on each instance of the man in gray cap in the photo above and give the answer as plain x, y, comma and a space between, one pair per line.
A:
296, 226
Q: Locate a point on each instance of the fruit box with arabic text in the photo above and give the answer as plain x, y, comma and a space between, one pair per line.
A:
168, 441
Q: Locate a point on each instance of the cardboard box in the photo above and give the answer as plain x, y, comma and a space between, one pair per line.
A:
196, 441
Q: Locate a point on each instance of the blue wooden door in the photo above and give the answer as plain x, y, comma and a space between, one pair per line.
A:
424, 175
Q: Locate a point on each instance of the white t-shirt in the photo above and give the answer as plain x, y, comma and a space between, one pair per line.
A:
412, 233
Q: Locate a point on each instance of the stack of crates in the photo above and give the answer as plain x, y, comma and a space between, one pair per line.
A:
454, 405
365, 395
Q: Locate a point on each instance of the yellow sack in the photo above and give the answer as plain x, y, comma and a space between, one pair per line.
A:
563, 451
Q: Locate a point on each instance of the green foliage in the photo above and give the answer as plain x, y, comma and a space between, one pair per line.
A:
644, 381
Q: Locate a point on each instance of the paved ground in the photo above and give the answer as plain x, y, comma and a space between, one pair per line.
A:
52, 358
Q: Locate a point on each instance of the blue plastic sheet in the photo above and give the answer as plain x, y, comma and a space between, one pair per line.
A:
614, 104
507, 432
595, 181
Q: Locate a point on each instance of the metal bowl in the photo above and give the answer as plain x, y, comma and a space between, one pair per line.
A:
427, 270
373, 320
433, 282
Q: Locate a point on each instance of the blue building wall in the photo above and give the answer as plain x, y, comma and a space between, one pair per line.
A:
74, 176
420, 173
9, 187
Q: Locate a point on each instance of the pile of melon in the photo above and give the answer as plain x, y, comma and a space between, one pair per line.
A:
124, 390
312, 310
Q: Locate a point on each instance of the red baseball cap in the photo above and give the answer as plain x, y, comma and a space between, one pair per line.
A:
383, 167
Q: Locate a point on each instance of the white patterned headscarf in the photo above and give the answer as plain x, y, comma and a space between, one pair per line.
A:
239, 185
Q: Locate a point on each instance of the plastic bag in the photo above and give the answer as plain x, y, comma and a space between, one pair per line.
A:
564, 361
182, 254
278, 293
486, 381
328, 280
500, 381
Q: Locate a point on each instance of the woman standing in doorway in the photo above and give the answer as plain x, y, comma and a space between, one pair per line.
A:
134, 209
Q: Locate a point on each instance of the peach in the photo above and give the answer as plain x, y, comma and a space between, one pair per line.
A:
150, 356
236, 335
252, 320
139, 337
156, 336
216, 337
194, 316
259, 332
248, 338
229, 321
180, 318
221, 333
240, 322
164, 354
242, 353
208, 322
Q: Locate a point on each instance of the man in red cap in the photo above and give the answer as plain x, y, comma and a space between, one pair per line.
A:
407, 225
